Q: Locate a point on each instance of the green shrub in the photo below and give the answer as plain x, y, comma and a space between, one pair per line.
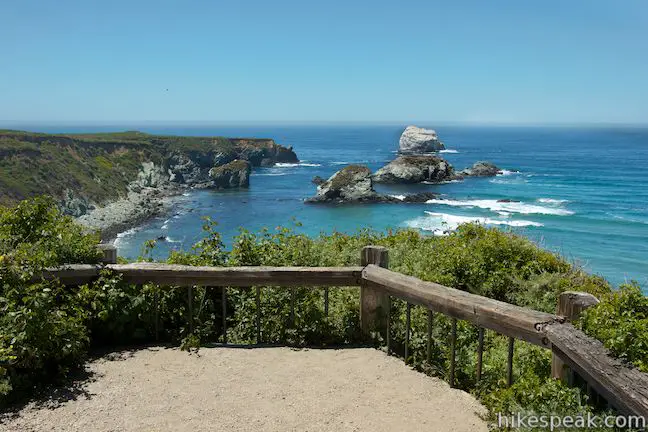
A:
620, 321
42, 325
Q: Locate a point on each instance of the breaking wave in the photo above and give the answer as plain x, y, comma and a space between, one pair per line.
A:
552, 201
271, 174
508, 173
443, 223
512, 207
291, 165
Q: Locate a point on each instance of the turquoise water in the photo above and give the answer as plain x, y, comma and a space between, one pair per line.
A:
582, 192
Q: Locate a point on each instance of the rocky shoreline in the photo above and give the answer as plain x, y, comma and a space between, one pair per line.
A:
130, 211
151, 193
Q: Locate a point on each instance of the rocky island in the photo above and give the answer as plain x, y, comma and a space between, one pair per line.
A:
354, 183
112, 181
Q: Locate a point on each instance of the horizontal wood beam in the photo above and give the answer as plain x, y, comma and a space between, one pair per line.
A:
504, 318
623, 386
182, 275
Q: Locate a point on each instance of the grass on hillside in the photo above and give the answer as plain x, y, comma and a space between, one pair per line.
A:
97, 166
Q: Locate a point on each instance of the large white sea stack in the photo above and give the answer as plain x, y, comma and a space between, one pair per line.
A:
418, 140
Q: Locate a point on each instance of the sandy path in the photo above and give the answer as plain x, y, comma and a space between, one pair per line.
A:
263, 389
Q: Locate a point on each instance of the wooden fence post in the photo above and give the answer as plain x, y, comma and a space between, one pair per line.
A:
374, 303
570, 305
109, 253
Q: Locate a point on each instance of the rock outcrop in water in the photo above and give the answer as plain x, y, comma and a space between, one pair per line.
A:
317, 180
350, 184
354, 184
481, 169
418, 140
415, 169
235, 174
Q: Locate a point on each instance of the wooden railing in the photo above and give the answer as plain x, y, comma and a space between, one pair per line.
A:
623, 387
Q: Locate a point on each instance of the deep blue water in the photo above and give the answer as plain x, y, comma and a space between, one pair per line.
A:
582, 192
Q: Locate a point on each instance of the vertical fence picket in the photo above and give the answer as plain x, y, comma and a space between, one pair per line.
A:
453, 352
156, 307
292, 307
388, 331
224, 313
509, 367
430, 322
258, 315
408, 321
326, 302
190, 308
480, 353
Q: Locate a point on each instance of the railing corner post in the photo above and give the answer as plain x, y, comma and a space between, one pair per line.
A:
109, 253
374, 303
570, 306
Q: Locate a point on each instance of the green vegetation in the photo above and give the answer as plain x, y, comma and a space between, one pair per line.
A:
234, 166
45, 329
346, 175
34, 163
620, 321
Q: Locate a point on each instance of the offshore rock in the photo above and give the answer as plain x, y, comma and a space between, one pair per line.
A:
353, 184
235, 174
481, 169
415, 169
418, 140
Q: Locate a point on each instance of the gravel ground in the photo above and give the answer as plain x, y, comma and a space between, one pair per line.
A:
261, 389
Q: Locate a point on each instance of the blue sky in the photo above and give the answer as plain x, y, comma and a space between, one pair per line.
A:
520, 62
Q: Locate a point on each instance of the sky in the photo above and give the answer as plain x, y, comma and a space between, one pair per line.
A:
481, 62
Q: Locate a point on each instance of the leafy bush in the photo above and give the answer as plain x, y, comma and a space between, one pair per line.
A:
42, 325
620, 321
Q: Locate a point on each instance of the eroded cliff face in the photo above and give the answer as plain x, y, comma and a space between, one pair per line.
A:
87, 171
193, 168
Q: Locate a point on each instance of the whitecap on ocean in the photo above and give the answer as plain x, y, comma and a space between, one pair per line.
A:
443, 223
507, 206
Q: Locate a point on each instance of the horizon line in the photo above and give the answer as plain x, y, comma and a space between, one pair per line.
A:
206, 123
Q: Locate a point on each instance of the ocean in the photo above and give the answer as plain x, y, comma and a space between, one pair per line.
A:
581, 192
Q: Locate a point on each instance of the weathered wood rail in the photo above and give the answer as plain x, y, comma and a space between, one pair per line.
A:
624, 387
182, 275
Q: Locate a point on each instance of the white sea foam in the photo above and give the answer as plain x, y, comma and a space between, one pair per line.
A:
509, 180
508, 173
340, 163
186, 194
164, 227
270, 174
123, 235
441, 182
552, 201
443, 223
400, 197
512, 207
170, 240
291, 165
449, 151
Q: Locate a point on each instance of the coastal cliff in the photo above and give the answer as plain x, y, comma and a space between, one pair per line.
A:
112, 180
